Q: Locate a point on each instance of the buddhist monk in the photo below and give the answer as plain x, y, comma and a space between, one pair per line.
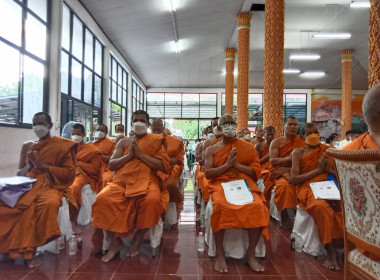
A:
106, 147
281, 160
262, 149
87, 168
176, 153
33, 221
229, 160
259, 133
310, 164
133, 199
120, 132
370, 139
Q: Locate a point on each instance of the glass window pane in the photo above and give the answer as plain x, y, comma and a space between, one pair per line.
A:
119, 95
114, 91
207, 99
133, 105
77, 47
76, 79
39, 7
33, 88
98, 91
119, 75
125, 77
124, 117
66, 28
190, 112
64, 72
156, 98
190, 99
9, 83
98, 58
124, 98
207, 112
87, 86
114, 70
35, 36
173, 99
89, 49
10, 21
115, 116
156, 111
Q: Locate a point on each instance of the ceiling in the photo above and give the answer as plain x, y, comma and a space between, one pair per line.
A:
142, 31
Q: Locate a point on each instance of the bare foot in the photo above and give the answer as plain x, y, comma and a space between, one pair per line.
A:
116, 246
33, 263
220, 264
96, 251
331, 263
254, 264
133, 250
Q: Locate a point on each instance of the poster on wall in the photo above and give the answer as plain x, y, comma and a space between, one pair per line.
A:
326, 113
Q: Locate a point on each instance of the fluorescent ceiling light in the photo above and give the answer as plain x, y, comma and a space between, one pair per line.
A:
313, 74
291, 71
304, 56
177, 46
324, 35
224, 72
355, 4
171, 5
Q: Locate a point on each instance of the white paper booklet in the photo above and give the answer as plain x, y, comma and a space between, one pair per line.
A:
237, 192
325, 190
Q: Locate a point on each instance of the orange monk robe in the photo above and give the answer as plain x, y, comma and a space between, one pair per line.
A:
175, 149
226, 215
87, 170
363, 142
133, 199
106, 147
285, 193
267, 176
33, 221
328, 221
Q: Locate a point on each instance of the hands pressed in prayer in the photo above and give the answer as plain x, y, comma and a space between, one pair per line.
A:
231, 160
135, 148
322, 163
34, 161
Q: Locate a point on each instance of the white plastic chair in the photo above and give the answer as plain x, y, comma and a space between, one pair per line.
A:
88, 198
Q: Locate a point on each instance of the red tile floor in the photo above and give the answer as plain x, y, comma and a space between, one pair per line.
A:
178, 259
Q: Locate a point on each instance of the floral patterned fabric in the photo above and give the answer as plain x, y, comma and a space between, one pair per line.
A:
365, 263
360, 184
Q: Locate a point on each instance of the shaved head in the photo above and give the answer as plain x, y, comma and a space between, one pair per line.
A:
157, 126
371, 108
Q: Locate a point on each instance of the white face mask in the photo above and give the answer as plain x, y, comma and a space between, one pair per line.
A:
119, 134
99, 134
139, 128
40, 130
77, 138
211, 136
228, 130
216, 131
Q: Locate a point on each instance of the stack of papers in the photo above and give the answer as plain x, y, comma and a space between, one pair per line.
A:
325, 190
237, 192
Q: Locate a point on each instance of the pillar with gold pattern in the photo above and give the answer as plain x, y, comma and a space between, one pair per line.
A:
244, 24
374, 44
273, 65
346, 91
229, 93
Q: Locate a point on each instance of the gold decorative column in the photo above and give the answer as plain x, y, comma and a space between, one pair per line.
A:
229, 93
244, 24
346, 91
374, 44
273, 65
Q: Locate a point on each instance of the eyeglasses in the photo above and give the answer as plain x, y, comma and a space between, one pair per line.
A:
233, 125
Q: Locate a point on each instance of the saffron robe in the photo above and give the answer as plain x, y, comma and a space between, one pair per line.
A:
87, 170
363, 142
328, 221
285, 193
33, 222
106, 147
266, 175
133, 199
225, 215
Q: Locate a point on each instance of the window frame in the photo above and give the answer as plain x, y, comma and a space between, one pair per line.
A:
24, 52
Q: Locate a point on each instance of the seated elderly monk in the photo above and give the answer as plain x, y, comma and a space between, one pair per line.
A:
133, 199
370, 139
229, 160
281, 160
309, 164
262, 149
87, 169
33, 220
120, 132
176, 153
106, 147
